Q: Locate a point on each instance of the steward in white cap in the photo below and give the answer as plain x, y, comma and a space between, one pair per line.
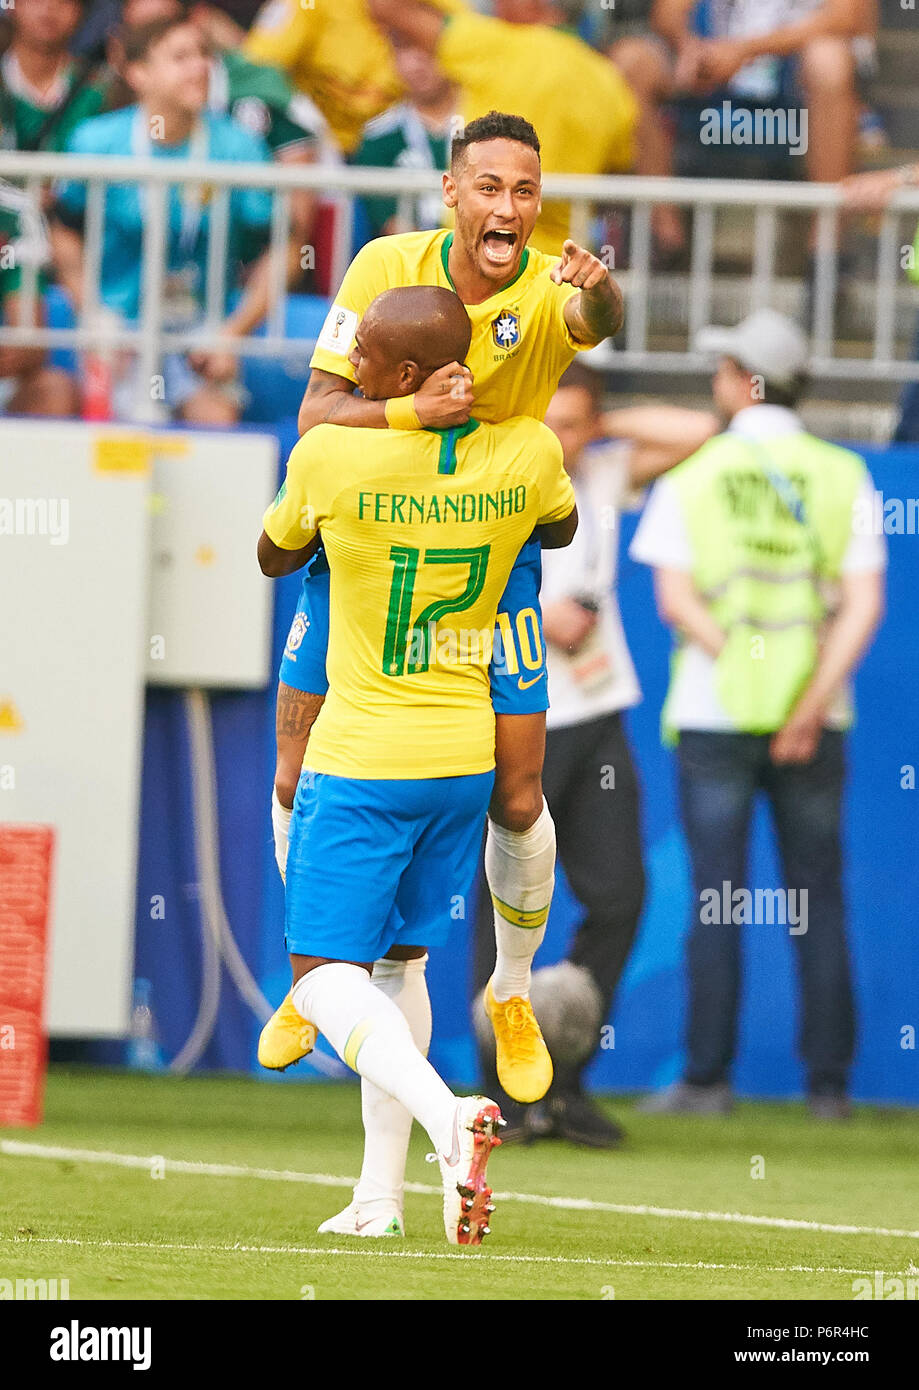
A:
773, 588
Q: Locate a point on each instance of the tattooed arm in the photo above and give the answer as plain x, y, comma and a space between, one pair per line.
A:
596, 313
297, 709
330, 400
443, 400
296, 714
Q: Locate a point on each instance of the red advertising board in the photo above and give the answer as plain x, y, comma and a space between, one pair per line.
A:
25, 892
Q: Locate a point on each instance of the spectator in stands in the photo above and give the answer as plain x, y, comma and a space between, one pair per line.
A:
589, 778
413, 134
773, 590
44, 93
750, 52
583, 109
168, 67
257, 97
28, 385
336, 55
872, 192
227, 22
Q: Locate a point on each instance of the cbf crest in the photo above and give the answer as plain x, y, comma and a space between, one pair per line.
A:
505, 330
298, 630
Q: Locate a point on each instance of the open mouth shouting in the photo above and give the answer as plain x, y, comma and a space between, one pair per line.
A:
499, 247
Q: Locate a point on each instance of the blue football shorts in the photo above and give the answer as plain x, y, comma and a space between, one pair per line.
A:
519, 682
374, 863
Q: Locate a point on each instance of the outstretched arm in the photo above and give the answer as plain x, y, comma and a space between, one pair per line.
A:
597, 312
661, 436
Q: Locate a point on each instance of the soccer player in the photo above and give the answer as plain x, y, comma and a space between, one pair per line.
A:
530, 315
421, 528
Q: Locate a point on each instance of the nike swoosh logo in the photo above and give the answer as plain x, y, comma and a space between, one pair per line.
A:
525, 685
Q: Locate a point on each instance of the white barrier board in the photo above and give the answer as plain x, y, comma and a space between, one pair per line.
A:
210, 606
74, 524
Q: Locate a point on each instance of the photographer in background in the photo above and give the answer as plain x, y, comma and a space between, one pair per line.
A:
589, 778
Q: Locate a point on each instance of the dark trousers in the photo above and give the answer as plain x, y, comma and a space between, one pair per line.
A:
592, 790
720, 774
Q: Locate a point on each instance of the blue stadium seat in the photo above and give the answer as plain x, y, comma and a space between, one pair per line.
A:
60, 315
276, 387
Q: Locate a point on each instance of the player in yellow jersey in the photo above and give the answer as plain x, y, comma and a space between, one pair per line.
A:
335, 54
421, 529
585, 110
531, 314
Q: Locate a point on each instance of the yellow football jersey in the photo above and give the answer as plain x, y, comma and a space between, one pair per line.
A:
583, 109
421, 529
520, 344
334, 53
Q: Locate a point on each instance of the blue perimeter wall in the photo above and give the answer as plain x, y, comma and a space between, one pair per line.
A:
882, 821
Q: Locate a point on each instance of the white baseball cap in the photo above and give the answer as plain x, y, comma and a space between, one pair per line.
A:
766, 343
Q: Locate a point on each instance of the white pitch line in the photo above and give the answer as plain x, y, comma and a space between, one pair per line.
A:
17, 1148
377, 1252
239, 1249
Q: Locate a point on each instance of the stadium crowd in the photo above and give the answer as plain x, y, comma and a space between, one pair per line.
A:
380, 83
386, 83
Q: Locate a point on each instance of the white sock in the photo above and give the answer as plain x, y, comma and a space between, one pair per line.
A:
520, 868
372, 1036
387, 1123
280, 824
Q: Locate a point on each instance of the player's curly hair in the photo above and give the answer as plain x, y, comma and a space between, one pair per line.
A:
496, 125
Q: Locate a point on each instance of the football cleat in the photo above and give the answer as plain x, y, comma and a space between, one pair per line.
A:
285, 1038
522, 1058
356, 1220
468, 1201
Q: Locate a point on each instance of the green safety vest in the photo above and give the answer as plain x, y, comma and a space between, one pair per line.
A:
769, 524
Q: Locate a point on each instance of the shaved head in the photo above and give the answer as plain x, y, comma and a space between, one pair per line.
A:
418, 323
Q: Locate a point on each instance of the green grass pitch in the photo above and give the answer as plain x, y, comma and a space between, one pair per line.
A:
127, 1233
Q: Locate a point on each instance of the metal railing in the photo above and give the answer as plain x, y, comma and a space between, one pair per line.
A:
769, 201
